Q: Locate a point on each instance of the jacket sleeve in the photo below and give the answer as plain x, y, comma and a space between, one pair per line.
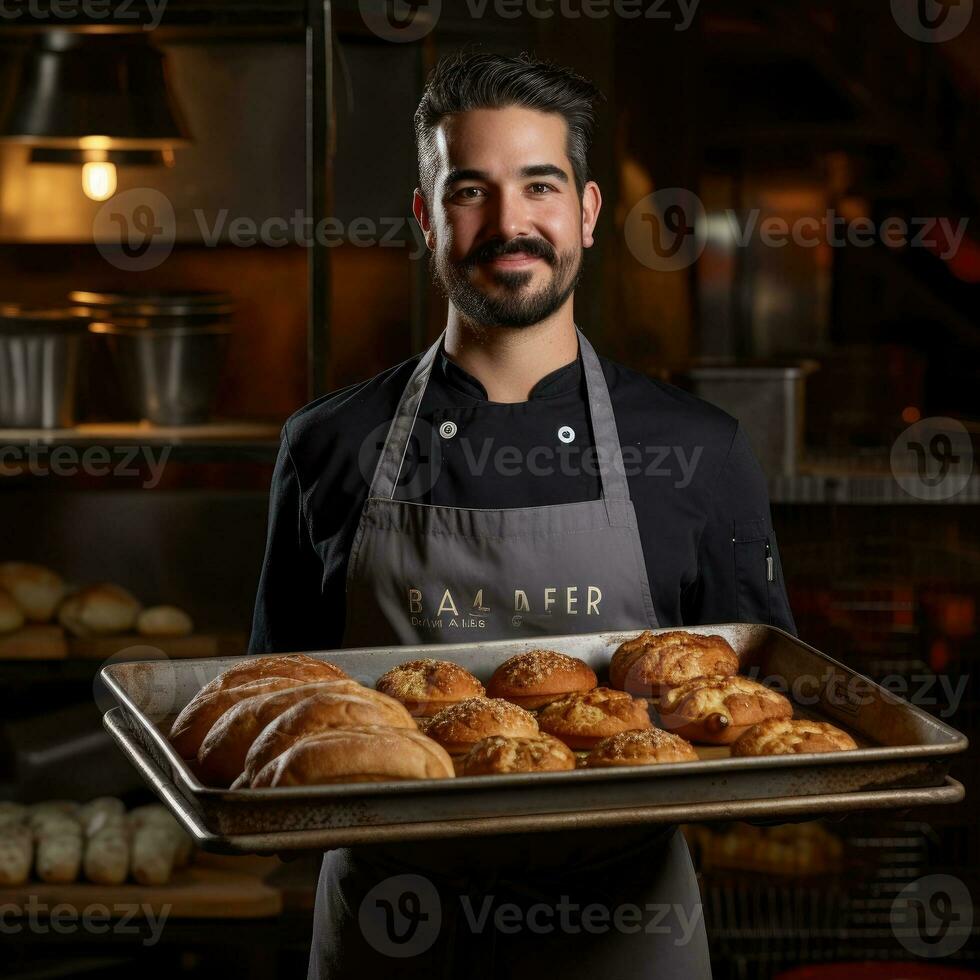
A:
288, 615
740, 576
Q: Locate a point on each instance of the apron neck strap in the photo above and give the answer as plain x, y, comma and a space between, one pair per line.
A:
608, 448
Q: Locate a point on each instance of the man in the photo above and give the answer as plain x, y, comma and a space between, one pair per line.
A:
509, 482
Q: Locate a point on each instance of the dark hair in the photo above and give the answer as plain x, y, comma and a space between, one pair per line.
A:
464, 81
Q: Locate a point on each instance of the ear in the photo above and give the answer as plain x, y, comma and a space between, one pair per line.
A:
421, 213
591, 205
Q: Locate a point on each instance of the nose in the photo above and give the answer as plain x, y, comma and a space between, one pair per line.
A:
509, 217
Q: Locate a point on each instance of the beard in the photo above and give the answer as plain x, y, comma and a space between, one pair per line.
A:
512, 304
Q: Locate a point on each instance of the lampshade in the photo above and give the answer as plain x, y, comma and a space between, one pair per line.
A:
82, 91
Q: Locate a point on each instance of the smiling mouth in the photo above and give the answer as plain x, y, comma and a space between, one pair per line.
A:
514, 260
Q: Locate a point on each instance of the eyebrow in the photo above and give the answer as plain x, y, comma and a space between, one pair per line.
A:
457, 174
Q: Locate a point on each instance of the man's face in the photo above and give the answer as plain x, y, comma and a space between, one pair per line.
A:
506, 227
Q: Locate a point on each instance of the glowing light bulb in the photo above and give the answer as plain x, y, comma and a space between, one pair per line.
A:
99, 179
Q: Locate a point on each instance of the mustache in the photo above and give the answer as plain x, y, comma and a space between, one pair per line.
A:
494, 249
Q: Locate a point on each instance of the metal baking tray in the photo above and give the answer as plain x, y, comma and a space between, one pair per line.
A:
902, 751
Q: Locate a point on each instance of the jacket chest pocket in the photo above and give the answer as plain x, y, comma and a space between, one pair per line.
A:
754, 571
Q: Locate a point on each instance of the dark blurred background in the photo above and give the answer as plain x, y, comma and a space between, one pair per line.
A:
244, 117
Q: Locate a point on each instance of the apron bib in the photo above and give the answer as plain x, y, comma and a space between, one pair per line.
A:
427, 574
422, 573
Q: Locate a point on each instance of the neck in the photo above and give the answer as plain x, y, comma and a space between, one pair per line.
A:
510, 361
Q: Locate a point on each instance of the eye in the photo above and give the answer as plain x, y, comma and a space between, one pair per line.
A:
540, 187
463, 194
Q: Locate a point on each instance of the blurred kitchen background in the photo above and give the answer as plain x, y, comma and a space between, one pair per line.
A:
157, 298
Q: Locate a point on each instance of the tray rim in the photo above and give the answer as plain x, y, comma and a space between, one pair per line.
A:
956, 741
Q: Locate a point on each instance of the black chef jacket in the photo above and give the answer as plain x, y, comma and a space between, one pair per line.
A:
700, 496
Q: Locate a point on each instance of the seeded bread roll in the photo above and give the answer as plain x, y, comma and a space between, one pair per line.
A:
106, 857
99, 610
298, 666
717, 709
460, 726
16, 853
640, 748
650, 663
372, 753
221, 758
427, 686
583, 720
36, 589
11, 615
501, 754
538, 677
95, 814
787, 736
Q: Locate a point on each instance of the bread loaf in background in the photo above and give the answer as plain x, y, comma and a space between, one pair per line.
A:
36, 590
99, 610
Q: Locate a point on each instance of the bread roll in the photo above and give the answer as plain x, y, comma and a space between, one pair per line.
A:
319, 712
500, 754
427, 686
99, 610
11, 615
193, 723
650, 663
58, 857
36, 589
298, 666
106, 857
16, 853
789, 736
12, 813
221, 758
366, 754
717, 709
164, 621
583, 720
537, 677
159, 817
460, 726
153, 855
639, 748
95, 814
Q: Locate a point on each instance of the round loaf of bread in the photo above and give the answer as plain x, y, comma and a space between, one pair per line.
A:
650, 663
221, 757
640, 748
501, 754
99, 610
717, 709
36, 590
192, 725
427, 686
164, 621
787, 736
296, 665
11, 615
537, 677
460, 726
371, 753
583, 720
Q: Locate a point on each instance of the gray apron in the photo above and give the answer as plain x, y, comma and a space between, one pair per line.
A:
421, 574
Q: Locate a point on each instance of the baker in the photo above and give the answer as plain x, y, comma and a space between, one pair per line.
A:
419, 506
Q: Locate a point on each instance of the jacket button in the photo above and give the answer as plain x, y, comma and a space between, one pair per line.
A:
447, 430
566, 433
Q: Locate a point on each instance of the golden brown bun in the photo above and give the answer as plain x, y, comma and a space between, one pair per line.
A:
786, 736
640, 748
537, 677
370, 753
296, 665
36, 589
192, 725
221, 757
582, 720
427, 686
500, 754
164, 621
11, 616
336, 704
99, 610
460, 726
717, 709
650, 663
